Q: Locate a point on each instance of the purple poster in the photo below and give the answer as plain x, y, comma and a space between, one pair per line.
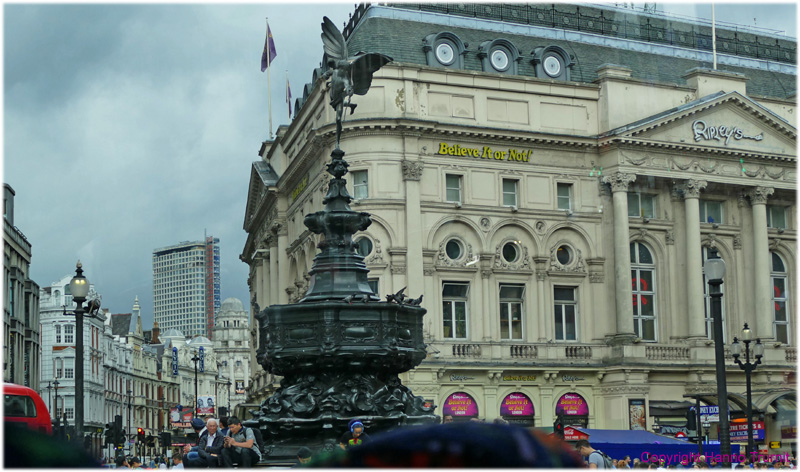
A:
460, 404
516, 404
572, 404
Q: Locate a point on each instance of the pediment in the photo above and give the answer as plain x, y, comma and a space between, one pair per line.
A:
730, 122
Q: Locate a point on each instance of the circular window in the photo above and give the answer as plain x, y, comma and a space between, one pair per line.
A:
564, 255
499, 59
552, 66
510, 252
445, 53
364, 247
453, 249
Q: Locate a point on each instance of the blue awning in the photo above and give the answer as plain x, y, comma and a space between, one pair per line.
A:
626, 437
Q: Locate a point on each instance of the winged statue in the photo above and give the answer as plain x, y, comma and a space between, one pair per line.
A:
349, 75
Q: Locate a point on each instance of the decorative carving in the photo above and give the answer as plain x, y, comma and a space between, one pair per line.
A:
636, 162
741, 199
485, 273
675, 193
710, 241
774, 244
696, 164
691, 188
444, 261
522, 263
541, 275
428, 270
412, 170
641, 234
670, 237
486, 223
377, 254
761, 171
759, 195
596, 277
737, 241
398, 268
540, 227
575, 265
619, 181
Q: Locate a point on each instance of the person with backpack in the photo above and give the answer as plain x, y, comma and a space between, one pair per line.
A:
595, 458
240, 445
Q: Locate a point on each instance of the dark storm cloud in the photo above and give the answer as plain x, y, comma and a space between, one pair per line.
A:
129, 128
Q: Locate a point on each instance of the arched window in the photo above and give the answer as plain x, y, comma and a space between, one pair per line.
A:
643, 273
711, 253
779, 299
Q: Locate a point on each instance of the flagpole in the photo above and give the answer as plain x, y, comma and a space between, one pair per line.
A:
288, 104
269, 84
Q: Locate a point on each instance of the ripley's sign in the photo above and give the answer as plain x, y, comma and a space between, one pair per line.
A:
703, 131
484, 153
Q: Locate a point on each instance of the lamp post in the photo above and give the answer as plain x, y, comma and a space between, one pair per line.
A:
195, 359
58, 421
748, 368
228, 384
79, 288
128, 436
49, 399
715, 272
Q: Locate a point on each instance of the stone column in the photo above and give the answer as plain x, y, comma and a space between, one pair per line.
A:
486, 272
761, 263
622, 262
282, 231
541, 275
412, 172
272, 240
695, 303
266, 282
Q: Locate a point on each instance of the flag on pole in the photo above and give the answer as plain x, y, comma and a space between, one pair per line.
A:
269, 51
289, 96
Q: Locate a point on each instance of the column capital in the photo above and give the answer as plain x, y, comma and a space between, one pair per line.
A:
759, 195
412, 170
691, 188
619, 181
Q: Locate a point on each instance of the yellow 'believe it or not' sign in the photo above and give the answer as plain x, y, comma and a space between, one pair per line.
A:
774, 444
484, 153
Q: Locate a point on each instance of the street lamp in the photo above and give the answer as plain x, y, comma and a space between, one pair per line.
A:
715, 272
228, 384
79, 288
130, 430
748, 368
49, 399
58, 421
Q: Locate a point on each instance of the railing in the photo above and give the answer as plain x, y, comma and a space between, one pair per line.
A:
466, 350
791, 355
578, 352
666, 353
523, 351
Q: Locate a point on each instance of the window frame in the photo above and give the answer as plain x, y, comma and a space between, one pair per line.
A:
770, 218
460, 188
515, 194
774, 274
638, 197
452, 315
69, 334
360, 186
638, 318
559, 198
704, 211
564, 303
508, 302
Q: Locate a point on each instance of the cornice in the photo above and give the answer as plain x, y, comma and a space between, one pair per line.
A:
628, 143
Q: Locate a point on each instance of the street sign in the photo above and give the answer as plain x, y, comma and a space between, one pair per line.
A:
680, 434
710, 414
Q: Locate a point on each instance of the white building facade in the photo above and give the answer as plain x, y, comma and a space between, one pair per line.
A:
232, 347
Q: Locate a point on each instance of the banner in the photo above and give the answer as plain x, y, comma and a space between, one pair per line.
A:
637, 415
205, 404
572, 404
739, 431
516, 404
174, 361
202, 359
180, 419
240, 387
460, 404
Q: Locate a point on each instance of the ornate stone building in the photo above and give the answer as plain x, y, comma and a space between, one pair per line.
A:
553, 193
232, 347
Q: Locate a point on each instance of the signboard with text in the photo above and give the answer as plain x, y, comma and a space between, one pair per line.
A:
205, 404
240, 387
739, 431
516, 405
572, 404
710, 414
572, 434
460, 404
180, 419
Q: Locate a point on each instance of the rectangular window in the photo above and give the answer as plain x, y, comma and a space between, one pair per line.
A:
70, 412
58, 334
453, 188
360, 185
509, 192
69, 373
69, 337
454, 309
779, 306
566, 308
511, 311
564, 192
710, 211
641, 205
776, 216
373, 284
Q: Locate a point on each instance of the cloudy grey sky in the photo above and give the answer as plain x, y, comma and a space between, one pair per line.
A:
133, 127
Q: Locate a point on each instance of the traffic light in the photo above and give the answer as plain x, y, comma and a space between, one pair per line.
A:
87, 442
558, 427
140, 434
109, 435
691, 419
118, 438
166, 439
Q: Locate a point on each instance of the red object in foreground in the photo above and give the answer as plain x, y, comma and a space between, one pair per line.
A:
680, 434
23, 406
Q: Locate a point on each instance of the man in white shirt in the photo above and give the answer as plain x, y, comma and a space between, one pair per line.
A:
209, 447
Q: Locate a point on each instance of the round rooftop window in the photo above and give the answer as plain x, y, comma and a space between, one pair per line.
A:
445, 53
499, 59
552, 66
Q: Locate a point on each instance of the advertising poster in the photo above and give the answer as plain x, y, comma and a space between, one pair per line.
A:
240, 387
205, 404
174, 361
460, 404
202, 359
517, 405
739, 431
572, 404
180, 419
637, 415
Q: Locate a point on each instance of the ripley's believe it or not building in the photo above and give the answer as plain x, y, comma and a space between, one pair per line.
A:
552, 178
